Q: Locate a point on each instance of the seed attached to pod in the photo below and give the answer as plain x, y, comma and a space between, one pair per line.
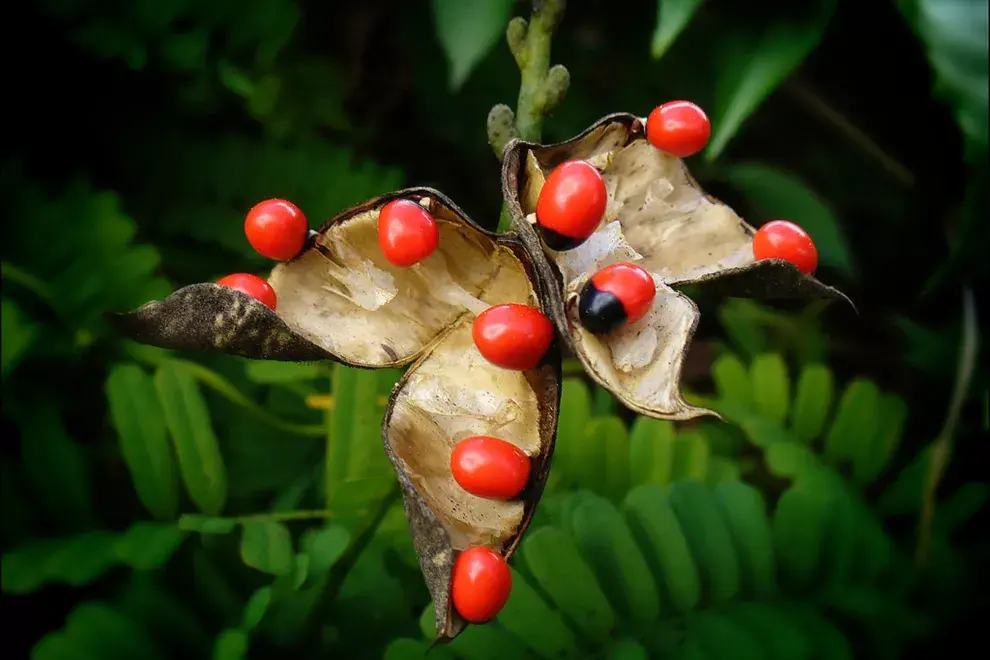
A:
679, 128
571, 205
513, 336
251, 285
407, 233
490, 467
780, 239
276, 229
481, 585
617, 294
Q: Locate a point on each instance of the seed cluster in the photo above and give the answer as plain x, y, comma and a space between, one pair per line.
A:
571, 206
509, 336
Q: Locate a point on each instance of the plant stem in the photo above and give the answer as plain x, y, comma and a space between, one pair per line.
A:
817, 106
330, 588
541, 87
534, 65
942, 448
284, 516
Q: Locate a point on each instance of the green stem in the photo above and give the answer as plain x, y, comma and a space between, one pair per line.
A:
284, 516
25, 279
534, 65
942, 448
320, 614
281, 516
541, 87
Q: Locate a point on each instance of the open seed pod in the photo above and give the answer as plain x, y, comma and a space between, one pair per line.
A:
658, 217
340, 299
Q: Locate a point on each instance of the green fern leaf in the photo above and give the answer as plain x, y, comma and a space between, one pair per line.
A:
797, 533
614, 437
775, 629
575, 407
626, 650
143, 436
732, 380
528, 617
724, 638
557, 566
827, 640
812, 402
708, 537
608, 546
691, 456
744, 510
791, 460
892, 414
855, 426
770, 386
658, 532
651, 451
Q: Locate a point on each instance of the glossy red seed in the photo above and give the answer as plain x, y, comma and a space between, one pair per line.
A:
679, 128
631, 284
251, 285
481, 584
276, 229
407, 233
571, 204
780, 239
513, 336
489, 467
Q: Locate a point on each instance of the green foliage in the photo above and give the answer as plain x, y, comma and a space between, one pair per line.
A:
954, 34
467, 32
672, 17
677, 566
204, 506
96, 267
140, 422
80, 560
193, 439
753, 64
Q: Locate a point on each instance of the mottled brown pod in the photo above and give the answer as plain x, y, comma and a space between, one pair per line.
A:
341, 299
658, 217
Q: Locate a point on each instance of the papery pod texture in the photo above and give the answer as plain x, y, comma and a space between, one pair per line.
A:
341, 300
658, 217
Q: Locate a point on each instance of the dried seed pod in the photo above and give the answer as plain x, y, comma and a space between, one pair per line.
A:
658, 217
342, 300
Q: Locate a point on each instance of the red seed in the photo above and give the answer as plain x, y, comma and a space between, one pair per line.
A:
571, 205
617, 294
680, 128
513, 336
481, 584
407, 233
780, 239
490, 467
276, 229
251, 285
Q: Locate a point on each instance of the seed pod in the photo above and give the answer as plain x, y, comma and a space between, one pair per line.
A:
658, 217
342, 300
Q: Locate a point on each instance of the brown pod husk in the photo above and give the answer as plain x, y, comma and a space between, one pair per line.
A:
658, 217
341, 300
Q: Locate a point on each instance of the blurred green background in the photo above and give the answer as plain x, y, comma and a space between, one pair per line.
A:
162, 505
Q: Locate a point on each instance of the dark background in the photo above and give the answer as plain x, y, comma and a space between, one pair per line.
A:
170, 107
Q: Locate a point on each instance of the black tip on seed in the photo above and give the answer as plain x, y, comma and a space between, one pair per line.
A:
600, 312
556, 241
